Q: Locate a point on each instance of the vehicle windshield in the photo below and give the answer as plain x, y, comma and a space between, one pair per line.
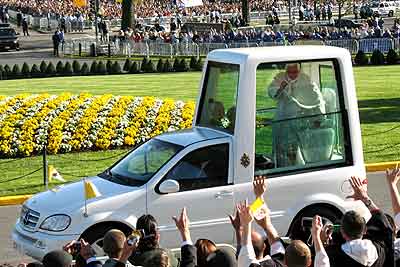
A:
142, 163
7, 32
218, 101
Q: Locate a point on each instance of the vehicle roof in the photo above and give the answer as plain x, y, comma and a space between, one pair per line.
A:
190, 136
277, 53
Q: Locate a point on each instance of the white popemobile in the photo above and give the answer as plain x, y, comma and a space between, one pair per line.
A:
289, 113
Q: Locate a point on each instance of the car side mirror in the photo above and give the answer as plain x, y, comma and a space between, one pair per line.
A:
169, 186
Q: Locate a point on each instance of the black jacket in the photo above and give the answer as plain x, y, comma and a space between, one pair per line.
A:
380, 232
219, 258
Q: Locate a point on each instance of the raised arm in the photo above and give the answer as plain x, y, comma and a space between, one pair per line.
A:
393, 177
247, 255
361, 193
188, 251
321, 257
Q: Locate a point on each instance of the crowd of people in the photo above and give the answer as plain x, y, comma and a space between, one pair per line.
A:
352, 242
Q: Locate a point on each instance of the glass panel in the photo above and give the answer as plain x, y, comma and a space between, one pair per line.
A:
202, 168
299, 119
142, 163
218, 103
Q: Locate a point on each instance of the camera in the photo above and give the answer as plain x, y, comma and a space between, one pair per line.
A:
134, 238
306, 223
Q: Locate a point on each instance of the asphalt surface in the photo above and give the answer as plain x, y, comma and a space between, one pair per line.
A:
377, 189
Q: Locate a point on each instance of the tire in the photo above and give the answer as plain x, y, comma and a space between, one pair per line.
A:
296, 231
94, 236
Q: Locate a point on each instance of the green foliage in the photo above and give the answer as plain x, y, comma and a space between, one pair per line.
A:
361, 58
127, 65
7, 69
68, 69
193, 63
168, 67
392, 57
101, 68
2, 73
16, 72
76, 67
377, 58
116, 68
177, 65
145, 65
151, 67
35, 71
134, 68
50, 70
85, 69
160, 65
109, 66
43, 67
199, 65
93, 67
25, 71
60, 68
184, 65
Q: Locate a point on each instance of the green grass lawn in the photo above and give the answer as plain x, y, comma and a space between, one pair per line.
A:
378, 90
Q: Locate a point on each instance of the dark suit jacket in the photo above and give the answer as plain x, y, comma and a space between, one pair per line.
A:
188, 256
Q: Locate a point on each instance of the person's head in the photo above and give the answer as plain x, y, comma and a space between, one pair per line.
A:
159, 259
298, 254
57, 258
258, 244
204, 248
222, 258
293, 70
148, 224
353, 226
113, 243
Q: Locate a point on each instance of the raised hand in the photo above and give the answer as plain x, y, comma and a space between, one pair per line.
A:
244, 213
259, 186
360, 193
235, 220
393, 176
182, 223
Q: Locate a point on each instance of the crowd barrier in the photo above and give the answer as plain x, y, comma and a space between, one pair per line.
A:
75, 47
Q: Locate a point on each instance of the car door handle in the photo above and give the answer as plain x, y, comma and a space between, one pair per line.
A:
223, 194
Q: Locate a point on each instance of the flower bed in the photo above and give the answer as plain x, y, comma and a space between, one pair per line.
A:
85, 122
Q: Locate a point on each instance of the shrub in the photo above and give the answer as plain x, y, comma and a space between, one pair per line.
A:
134, 68
93, 67
6, 72
116, 68
51, 70
168, 67
377, 58
109, 66
25, 71
43, 67
184, 65
60, 68
76, 67
177, 65
145, 64
392, 57
68, 69
16, 72
85, 69
193, 63
35, 71
199, 65
101, 68
361, 58
160, 65
1, 73
127, 65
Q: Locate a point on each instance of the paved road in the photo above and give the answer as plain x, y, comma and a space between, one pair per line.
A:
377, 187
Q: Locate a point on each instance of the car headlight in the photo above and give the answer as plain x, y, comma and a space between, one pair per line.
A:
56, 223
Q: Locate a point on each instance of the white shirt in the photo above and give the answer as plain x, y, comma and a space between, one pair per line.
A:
247, 255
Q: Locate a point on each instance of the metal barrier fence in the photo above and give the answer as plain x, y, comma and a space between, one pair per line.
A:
130, 48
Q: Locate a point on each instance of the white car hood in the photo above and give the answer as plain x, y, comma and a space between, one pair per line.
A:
72, 196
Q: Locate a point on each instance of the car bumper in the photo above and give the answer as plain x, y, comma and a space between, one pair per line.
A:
37, 244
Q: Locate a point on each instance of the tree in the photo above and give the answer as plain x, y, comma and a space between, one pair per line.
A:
128, 14
93, 68
43, 67
134, 68
109, 66
160, 65
68, 69
25, 70
60, 68
35, 71
101, 68
116, 68
127, 64
76, 67
16, 72
84, 69
51, 70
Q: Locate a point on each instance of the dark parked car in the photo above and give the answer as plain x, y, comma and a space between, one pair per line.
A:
8, 39
348, 23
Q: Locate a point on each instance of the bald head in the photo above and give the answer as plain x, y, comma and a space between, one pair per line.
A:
258, 244
298, 254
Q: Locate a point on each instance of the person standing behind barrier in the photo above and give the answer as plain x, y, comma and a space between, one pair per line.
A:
56, 43
25, 26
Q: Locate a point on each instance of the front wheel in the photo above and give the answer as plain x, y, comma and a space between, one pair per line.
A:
297, 232
95, 235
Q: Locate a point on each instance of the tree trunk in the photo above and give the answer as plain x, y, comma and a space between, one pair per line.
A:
128, 8
246, 12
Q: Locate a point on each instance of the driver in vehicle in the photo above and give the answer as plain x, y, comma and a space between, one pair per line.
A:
297, 97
